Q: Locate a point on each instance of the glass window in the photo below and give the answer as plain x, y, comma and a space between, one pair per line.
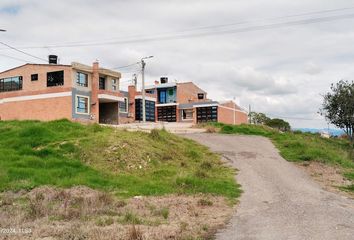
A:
162, 96
82, 105
123, 106
170, 92
55, 79
11, 84
82, 79
102, 83
114, 84
34, 77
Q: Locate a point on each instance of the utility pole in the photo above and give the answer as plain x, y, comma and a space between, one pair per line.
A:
143, 86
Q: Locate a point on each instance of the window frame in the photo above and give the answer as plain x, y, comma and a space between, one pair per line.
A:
61, 71
77, 105
34, 75
126, 106
78, 82
11, 89
114, 84
202, 95
100, 81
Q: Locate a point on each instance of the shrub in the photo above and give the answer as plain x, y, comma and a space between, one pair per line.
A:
205, 202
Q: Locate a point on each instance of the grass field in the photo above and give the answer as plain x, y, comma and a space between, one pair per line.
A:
65, 154
299, 147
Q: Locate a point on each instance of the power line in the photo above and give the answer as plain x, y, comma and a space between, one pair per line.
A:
208, 33
133, 64
15, 58
13, 48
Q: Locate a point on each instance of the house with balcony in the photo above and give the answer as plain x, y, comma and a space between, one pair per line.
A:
53, 91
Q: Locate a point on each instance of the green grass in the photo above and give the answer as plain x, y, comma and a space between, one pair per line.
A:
64, 154
299, 147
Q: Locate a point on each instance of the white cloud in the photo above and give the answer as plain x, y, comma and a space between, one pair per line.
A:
278, 71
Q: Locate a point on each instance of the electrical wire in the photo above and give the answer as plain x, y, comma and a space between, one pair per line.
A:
18, 50
208, 33
15, 58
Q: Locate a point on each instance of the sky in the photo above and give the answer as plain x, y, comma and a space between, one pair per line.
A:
274, 55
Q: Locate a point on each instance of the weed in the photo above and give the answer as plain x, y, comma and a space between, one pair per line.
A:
131, 218
205, 202
134, 234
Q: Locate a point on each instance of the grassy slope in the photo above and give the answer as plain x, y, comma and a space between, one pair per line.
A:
297, 147
64, 154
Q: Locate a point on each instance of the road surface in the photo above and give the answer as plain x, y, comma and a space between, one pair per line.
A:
280, 201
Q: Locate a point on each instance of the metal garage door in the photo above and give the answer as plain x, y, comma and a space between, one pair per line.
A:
149, 110
207, 114
167, 114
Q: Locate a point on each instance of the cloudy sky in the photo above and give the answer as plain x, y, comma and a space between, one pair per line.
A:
279, 56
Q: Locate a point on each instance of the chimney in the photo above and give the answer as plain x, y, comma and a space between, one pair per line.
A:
164, 80
94, 95
131, 100
53, 59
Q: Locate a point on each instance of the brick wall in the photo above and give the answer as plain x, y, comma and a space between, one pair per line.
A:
188, 92
227, 114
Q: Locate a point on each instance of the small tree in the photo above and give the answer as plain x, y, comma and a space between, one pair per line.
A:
258, 118
338, 107
279, 124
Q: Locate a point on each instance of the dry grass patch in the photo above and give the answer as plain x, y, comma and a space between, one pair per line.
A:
84, 213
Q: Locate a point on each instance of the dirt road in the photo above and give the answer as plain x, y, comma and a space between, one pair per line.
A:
280, 201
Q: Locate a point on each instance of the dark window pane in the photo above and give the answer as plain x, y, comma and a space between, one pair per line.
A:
34, 77
10, 84
55, 79
102, 83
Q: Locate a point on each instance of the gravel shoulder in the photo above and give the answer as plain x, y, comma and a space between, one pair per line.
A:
280, 200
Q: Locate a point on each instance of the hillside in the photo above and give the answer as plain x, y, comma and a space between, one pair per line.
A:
304, 148
65, 154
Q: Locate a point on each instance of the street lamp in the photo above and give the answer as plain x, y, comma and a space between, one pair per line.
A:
143, 86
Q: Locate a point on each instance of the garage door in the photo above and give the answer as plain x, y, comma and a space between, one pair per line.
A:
149, 110
166, 114
207, 114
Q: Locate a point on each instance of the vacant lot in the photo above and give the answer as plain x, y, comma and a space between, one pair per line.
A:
113, 165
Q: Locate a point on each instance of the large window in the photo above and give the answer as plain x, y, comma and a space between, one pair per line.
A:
123, 106
102, 83
162, 96
10, 84
55, 79
82, 105
81, 79
114, 84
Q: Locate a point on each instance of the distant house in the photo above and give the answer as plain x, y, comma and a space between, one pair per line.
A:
92, 94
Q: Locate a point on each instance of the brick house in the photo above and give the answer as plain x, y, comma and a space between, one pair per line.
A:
52, 91
186, 102
92, 94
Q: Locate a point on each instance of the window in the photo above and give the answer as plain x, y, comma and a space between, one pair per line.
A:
55, 79
162, 96
81, 79
171, 92
34, 77
102, 83
200, 95
82, 105
150, 91
123, 106
114, 84
10, 84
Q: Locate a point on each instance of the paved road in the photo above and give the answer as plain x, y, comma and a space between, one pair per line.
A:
280, 201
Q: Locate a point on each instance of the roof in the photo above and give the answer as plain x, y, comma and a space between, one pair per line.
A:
161, 85
35, 64
73, 65
199, 104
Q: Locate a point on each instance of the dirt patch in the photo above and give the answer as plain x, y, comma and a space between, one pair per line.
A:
83, 213
330, 177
